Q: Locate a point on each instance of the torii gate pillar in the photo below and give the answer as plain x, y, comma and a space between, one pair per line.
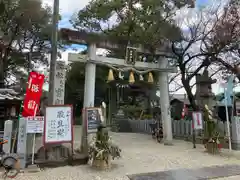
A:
165, 104
89, 92
90, 78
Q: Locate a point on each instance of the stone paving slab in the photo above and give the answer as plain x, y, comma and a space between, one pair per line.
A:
204, 173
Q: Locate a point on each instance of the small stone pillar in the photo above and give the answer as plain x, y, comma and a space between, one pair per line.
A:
7, 136
236, 133
22, 143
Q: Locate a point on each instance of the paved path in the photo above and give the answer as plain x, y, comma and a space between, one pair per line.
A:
140, 154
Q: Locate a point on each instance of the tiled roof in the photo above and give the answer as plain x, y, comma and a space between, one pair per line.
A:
9, 94
180, 97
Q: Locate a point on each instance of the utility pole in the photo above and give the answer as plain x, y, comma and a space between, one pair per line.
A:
54, 48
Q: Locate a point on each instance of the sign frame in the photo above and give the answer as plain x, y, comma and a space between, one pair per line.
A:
35, 120
200, 119
44, 129
89, 131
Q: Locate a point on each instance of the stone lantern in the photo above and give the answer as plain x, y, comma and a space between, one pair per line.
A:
204, 94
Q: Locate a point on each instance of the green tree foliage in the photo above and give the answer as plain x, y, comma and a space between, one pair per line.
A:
147, 22
25, 34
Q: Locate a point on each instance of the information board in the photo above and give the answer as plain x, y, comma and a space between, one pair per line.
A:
197, 120
35, 124
58, 124
93, 116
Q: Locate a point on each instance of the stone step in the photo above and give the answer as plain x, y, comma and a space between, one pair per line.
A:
204, 173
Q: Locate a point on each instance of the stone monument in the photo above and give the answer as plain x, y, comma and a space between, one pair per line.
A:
205, 97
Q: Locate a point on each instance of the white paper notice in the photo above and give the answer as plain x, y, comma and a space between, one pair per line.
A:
35, 124
58, 126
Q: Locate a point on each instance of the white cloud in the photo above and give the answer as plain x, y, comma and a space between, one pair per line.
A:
64, 54
67, 9
186, 17
69, 6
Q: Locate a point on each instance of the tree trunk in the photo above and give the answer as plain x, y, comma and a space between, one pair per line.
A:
238, 75
190, 95
1, 73
3, 64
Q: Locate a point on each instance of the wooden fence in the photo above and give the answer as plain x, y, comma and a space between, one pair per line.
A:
180, 128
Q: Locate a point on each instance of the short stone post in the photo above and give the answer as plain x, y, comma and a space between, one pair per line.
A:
236, 133
8, 125
22, 143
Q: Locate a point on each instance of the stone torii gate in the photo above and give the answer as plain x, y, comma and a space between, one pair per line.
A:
93, 42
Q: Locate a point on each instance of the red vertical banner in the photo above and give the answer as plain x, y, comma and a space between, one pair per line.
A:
184, 111
197, 120
31, 102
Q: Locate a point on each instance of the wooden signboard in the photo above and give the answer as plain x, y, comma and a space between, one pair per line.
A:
93, 118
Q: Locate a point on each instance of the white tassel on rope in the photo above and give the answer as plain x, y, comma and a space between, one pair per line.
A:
120, 75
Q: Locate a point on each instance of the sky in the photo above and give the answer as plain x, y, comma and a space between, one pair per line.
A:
69, 7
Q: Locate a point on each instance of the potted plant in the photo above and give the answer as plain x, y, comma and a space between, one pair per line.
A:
213, 145
102, 150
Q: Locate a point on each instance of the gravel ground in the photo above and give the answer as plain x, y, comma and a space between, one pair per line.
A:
139, 154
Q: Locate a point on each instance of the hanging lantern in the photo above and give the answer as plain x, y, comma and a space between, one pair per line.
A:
150, 77
110, 75
140, 77
131, 78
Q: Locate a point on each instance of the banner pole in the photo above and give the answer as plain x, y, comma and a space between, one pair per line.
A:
33, 147
34, 137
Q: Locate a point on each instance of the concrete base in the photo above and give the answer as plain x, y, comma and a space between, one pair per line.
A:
168, 143
236, 146
33, 168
